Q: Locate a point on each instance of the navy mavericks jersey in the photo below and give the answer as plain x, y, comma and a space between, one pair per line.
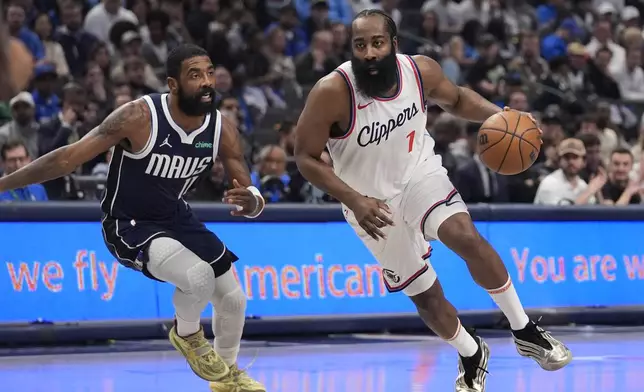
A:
150, 185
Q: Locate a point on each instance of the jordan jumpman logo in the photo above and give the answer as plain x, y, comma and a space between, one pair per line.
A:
166, 143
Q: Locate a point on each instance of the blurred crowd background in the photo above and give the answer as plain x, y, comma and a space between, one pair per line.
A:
577, 65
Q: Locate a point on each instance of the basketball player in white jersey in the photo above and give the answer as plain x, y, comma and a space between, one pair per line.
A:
370, 113
162, 144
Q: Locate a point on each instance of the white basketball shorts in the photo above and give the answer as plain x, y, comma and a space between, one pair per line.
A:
427, 201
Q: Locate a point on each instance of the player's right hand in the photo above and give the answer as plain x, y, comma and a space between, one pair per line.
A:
370, 214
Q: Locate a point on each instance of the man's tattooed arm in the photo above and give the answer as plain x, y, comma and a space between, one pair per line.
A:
118, 126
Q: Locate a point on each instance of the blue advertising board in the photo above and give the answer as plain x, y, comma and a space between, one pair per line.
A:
63, 272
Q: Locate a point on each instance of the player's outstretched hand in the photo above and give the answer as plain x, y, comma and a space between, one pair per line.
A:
243, 198
370, 214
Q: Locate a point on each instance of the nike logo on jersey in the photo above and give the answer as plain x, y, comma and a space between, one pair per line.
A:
378, 132
360, 107
166, 166
166, 142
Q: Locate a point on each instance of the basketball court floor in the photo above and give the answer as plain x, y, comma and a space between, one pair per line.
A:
606, 360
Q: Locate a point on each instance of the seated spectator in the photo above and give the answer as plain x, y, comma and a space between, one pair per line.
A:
631, 78
46, 101
101, 17
318, 61
488, 71
600, 76
54, 53
592, 144
318, 19
76, 42
620, 189
156, 48
16, 15
603, 38
23, 125
341, 45
271, 177
556, 44
14, 156
476, 182
564, 186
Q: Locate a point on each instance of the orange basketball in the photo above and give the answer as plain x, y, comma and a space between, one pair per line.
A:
509, 142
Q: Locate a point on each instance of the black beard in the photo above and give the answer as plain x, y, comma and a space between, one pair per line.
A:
379, 84
192, 105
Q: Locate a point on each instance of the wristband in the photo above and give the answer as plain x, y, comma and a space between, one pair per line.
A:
260, 202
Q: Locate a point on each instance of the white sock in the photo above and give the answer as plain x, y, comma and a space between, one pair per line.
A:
508, 301
463, 342
187, 328
229, 355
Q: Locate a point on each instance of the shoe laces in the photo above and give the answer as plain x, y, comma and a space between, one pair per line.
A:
237, 372
470, 370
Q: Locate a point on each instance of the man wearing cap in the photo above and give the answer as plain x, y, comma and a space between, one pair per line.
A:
564, 186
23, 126
555, 44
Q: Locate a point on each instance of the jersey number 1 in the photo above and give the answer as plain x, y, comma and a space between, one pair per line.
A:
411, 136
189, 183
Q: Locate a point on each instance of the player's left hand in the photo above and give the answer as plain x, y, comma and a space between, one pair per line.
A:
240, 196
530, 116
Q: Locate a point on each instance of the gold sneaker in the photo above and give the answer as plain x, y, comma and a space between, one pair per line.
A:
237, 381
201, 356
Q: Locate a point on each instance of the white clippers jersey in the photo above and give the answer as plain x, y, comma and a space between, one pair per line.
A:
387, 137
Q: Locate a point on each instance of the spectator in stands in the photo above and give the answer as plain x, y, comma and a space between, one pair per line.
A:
23, 126
603, 39
281, 77
445, 14
528, 62
296, 42
341, 45
96, 85
592, 144
556, 44
551, 162
476, 182
65, 127
101, 18
15, 16
445, 131
631, 78
318, 61
453, 60
134, 70
600, 77
271, 177
430, 34
620, 189
77, 43
338, 10
319, 19
487, 72
548, 14
14, 156
564, 186
54, 53
156, 48
578, 69
47, 102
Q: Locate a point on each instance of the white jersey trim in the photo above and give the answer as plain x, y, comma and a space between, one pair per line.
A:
154, 130
217, 136
186, 138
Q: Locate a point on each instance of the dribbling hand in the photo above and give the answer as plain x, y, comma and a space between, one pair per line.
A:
530, 116
243, 198
370, 216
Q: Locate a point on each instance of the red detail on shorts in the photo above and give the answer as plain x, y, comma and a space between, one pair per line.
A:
406, 283
429, 253
449, 197
501, 289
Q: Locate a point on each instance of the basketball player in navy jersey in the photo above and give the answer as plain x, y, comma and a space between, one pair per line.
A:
396, 195
163, 143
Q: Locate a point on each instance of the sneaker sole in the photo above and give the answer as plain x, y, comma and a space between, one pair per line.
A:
177, 346
551, 367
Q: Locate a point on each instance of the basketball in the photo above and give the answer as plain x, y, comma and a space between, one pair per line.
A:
509, 142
